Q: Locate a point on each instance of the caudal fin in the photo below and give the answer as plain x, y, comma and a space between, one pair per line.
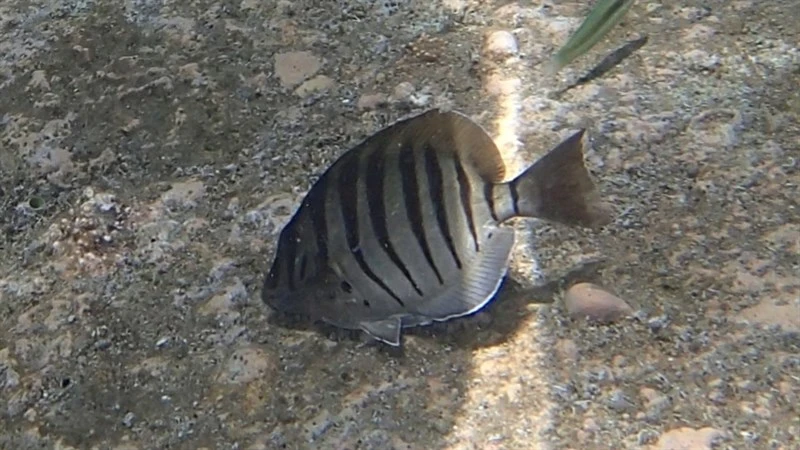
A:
558, 188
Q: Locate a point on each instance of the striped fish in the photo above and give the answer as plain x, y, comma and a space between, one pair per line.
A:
404, 229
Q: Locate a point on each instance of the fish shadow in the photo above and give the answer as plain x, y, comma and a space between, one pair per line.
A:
492, 325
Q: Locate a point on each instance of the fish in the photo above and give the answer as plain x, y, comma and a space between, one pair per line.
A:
603, 17
404, 229
609, 62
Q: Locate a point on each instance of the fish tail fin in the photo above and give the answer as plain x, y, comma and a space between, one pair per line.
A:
558, 188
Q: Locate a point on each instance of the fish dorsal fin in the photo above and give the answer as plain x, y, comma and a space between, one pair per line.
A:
447, 131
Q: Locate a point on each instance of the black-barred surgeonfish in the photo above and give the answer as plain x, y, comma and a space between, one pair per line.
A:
405, 228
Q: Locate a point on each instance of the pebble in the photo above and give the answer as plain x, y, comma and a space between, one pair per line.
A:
590, 425
656, 407
688, 439
403, 93
320, 83
128, 419
591, 302
321, 423
371, 101
184, 194
618, 401
656, 324
376, 439
501, 43
567, 351
702, 60
292, 68
30, 415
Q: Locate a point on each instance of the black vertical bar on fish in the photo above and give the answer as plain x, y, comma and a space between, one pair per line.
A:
488, 195
303, 267
466, 199
376, 203
436, 190
348, 197
273, 278
291, 255
316, 205
512, 188
408, 176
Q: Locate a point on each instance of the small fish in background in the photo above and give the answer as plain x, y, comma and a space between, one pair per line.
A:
603, 17
404, 229
609, 62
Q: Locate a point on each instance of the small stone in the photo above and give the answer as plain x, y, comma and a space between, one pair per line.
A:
130, 126
39, 81
590, 425
567, 350
501, 43
403, 92
128, 419
649, 394
318, 425
702, 60
647, 437
292, 68
656, 324
763, 412
747, 386
656, 407
371, 101
320, 83
184, 194
30, 415
591, 302
717, 396
619, 361
688, 439
618, 401
376, 439
190, 72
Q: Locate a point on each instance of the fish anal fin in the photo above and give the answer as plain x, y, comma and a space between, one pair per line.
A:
387, 330
480, 279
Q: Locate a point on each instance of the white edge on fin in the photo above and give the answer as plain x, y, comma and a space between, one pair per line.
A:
494, 289
479, 306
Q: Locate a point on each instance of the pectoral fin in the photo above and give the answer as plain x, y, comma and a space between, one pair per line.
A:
387, 331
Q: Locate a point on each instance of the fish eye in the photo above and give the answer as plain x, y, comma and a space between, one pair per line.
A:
366, 303
346, 287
